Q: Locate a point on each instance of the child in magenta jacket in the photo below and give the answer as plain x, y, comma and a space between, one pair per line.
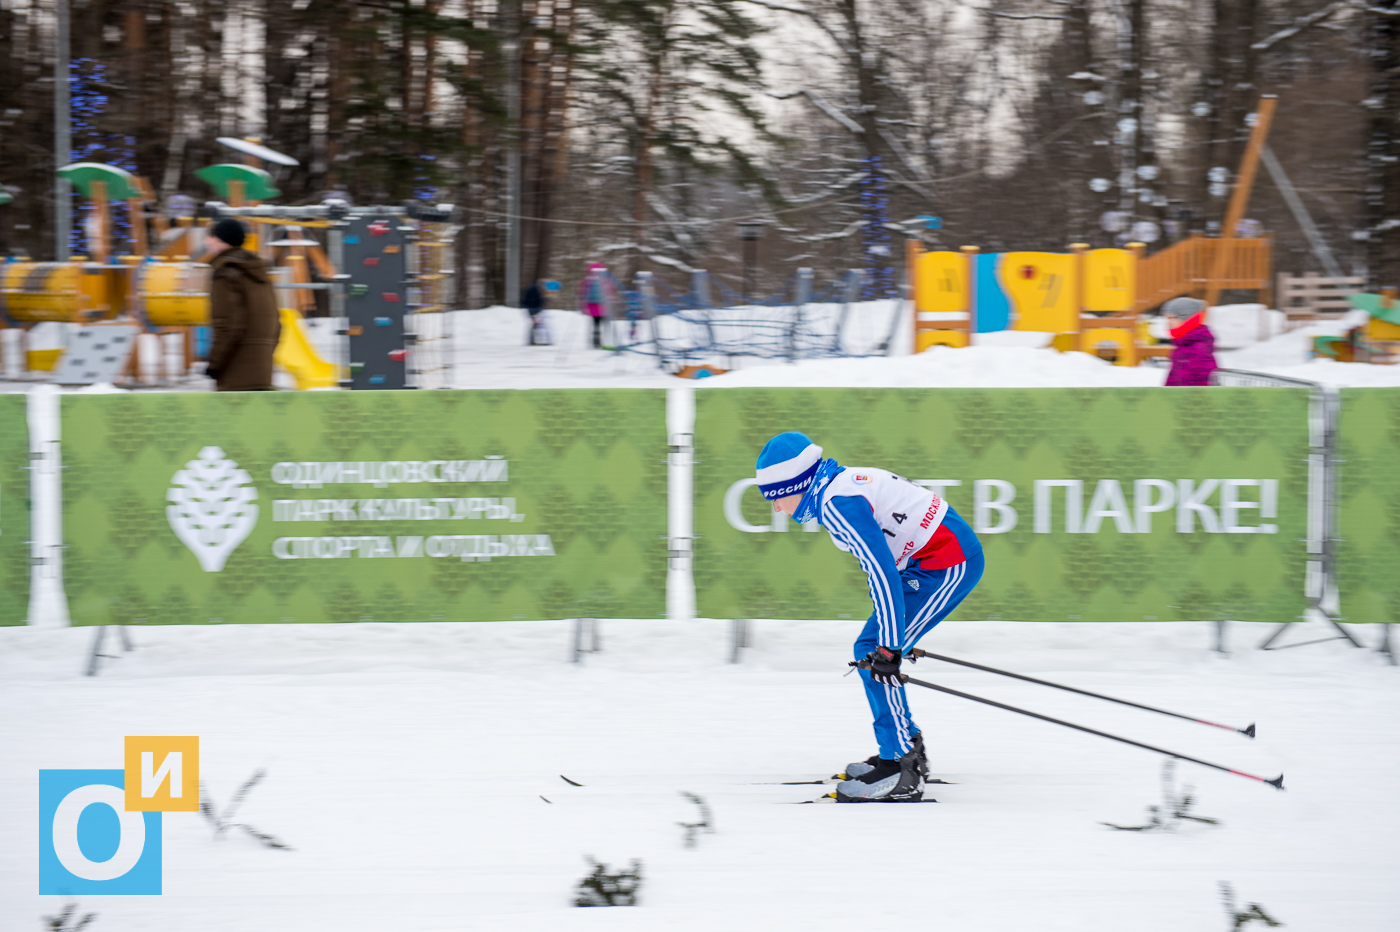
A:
1193, 359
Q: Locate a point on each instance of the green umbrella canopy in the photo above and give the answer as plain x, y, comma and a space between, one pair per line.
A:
257, 184
121, 185
5, 198
1376, 306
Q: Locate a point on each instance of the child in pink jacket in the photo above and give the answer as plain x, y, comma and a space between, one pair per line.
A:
594, 293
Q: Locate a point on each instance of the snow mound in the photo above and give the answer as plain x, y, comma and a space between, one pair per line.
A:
945, 367
1240, 325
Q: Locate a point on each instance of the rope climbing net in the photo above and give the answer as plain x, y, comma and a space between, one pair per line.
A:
711, 321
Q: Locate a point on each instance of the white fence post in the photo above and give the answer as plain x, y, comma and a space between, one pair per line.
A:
48, 607
680, 503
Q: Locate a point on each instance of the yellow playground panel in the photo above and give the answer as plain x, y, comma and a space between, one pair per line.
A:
174, 294
942, 283
70, 292
1109, 319
1109, 280
1043, 288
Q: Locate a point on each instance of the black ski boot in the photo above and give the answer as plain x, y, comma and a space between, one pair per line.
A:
888, 781
861, 768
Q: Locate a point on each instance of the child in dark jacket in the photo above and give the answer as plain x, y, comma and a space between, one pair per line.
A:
1193, 360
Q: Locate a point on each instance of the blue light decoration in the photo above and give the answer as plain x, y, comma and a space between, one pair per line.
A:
876, 251
422, 189
87, 102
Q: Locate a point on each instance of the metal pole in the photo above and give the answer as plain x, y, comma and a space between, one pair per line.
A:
917, 653
1239, 198
512, 50
62, 131
1300, 212
750, 256
1276, 782
748, 235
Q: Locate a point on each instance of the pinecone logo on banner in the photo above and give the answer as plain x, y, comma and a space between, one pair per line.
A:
212, 509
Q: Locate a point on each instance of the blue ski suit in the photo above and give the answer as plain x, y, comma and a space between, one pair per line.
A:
921, 558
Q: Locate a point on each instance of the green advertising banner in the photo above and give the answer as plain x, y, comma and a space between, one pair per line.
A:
364, 506
14, 510
1368, 519
1115, 504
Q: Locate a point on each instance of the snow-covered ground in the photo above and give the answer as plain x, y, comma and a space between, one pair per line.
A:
488, 350
491, 354
415, 771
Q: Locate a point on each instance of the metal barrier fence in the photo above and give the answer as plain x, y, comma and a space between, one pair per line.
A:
1323, 418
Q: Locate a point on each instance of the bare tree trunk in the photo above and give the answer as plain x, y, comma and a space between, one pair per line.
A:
646, 136
1383, 151
1229, 94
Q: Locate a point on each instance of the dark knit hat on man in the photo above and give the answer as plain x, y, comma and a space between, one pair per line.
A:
228, 230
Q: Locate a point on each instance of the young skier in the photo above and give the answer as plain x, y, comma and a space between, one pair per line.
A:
921, 560
1193, 360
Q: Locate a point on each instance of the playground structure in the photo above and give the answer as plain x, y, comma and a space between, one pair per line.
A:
1092, 300
163, 289
1375, 341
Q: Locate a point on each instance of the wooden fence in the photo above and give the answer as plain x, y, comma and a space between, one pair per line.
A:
1307, 295
1185, 268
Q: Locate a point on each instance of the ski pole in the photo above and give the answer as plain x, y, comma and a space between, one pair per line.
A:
1276, 782
916, 652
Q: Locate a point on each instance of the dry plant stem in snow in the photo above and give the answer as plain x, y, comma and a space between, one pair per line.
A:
223, 822
67, 920
1239, 918
1174, 808
693, 829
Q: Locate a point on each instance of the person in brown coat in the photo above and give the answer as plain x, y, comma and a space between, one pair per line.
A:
243, 310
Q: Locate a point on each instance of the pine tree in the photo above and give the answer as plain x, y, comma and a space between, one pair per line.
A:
663, 77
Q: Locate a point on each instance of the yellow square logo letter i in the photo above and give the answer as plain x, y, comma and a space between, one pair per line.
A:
162, 774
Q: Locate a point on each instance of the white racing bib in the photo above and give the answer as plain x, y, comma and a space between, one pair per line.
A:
907, 513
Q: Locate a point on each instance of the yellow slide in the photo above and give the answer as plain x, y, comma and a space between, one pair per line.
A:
296, 354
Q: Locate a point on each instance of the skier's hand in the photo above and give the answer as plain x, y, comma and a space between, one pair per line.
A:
884, 665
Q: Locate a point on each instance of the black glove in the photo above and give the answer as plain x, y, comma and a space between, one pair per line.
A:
884, 665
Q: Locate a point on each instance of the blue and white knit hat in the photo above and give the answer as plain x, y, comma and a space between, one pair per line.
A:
787, 464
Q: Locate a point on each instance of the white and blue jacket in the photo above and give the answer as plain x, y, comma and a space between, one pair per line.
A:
885, 520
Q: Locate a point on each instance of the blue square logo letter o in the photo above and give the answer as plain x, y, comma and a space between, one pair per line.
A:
89, 843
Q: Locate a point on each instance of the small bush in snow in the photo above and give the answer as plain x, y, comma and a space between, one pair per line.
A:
601, 888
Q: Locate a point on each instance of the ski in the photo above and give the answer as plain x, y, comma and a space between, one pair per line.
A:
827, 782
831, 798
842, 778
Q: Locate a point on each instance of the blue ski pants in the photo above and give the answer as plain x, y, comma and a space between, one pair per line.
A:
929, 597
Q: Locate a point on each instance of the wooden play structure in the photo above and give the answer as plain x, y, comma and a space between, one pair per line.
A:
1092, 300
1375, 341
162, 288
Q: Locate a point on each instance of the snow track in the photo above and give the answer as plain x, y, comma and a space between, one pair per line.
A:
406, 766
